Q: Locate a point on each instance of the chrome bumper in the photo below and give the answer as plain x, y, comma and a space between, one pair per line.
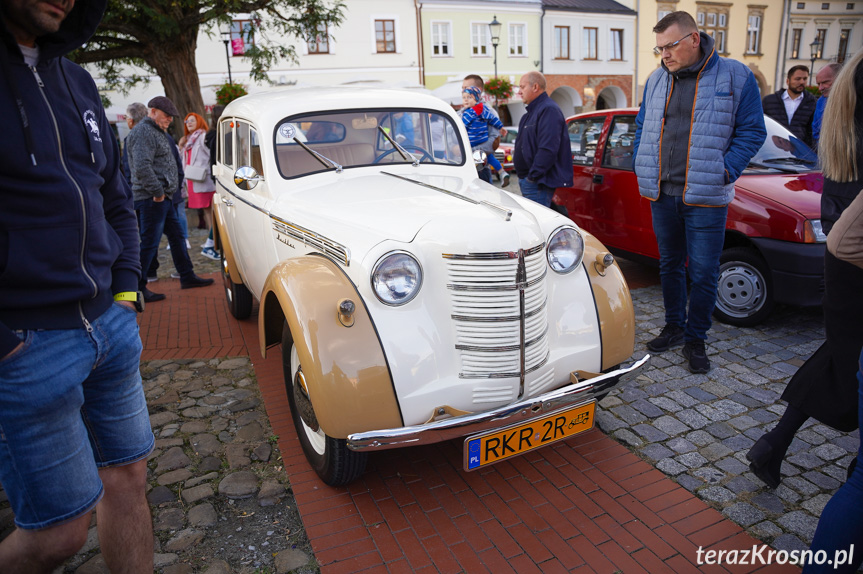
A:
515, 413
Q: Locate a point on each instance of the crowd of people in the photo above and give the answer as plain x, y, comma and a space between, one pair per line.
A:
73, 416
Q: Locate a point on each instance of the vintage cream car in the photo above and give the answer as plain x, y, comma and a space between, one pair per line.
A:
413, 302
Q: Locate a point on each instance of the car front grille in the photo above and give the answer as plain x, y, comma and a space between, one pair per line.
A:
498, 308
500, 156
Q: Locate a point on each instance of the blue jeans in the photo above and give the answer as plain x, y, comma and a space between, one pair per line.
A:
694, 234
538, 192
154, 218
841, 522
180, 209
484, 174
71, 402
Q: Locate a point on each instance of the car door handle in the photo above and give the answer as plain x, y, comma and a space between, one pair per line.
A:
597, 178
227, 201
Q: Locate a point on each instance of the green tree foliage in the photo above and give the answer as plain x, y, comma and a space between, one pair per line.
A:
160, 37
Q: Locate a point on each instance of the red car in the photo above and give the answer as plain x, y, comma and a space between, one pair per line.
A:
774, 246
504, 152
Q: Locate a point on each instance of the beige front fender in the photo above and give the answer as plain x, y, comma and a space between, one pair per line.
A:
348, 379
613, 305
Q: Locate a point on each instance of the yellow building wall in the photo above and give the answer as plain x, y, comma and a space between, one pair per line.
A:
461, 61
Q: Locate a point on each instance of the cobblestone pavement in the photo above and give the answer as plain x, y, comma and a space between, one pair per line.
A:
697, 429
218, 494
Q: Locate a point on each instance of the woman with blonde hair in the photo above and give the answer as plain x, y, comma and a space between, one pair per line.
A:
196, 157
825, 387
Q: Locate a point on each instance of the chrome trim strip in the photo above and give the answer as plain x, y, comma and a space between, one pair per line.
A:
507, 213
516, 413
505, 348
507, 319
493, 255
510, 287
512, 375
309, 238
521, 281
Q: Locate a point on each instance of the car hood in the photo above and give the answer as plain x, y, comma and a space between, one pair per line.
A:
362, 211
800, 192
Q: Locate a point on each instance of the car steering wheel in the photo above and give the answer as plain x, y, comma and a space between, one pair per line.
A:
425, 154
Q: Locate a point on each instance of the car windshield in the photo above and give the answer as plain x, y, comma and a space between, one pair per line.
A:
333, 140
511, 133
783, 151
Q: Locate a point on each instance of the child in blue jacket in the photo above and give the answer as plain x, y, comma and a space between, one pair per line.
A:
476, 118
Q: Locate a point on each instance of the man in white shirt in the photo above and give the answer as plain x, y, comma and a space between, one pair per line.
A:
794, 106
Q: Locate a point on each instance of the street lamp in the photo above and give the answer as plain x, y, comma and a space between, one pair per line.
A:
494, 30
814, 53
226, 38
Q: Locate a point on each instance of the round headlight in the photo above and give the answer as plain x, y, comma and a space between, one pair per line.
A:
565, 250
396, 278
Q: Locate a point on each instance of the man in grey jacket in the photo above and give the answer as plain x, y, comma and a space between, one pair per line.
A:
155, 179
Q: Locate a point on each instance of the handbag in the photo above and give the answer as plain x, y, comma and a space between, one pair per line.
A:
845, 239
196, 173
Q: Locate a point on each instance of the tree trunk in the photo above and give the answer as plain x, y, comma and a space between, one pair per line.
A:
175, 65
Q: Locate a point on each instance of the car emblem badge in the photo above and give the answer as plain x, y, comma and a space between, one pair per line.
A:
287, 131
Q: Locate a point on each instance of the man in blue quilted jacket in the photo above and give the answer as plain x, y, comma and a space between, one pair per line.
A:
699, 124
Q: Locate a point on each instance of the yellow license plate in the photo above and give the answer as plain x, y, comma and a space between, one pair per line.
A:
500, 444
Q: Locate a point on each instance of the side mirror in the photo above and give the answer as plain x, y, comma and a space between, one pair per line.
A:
246, 178
479, 158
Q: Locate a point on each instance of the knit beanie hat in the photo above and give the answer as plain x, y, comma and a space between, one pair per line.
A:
475, 92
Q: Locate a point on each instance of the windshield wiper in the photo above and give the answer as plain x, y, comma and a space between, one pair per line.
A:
404, 153
794, 160
776, 167
327, 162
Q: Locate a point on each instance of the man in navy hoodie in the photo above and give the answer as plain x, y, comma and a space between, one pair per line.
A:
73, 417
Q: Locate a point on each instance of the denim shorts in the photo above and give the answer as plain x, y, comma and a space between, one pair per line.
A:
71, 402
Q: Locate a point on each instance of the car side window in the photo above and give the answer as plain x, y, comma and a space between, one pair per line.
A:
583, 139
249, 147
228, 143
619, 147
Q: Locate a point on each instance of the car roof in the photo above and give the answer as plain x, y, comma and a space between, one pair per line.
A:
268, 108
626, 111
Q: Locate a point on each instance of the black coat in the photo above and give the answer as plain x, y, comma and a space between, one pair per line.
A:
825, 387
801, 122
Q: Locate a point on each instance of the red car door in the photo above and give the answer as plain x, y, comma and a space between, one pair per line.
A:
612, 209
584, 137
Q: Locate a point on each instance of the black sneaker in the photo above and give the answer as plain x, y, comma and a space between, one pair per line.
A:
150, 297
697, 356
195, 281
670, 336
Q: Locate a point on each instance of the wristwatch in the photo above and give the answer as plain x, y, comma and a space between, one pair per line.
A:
135, 297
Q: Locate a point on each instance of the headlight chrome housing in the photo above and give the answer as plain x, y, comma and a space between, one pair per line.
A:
396, 278
565, 250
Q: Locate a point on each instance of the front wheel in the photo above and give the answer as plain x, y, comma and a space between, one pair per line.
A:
745, 290
330, 457
237, 294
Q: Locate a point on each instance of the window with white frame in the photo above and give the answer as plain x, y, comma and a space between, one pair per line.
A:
241, 36
589, 45
796, 35
843, 45
319, 43
561, 43
479, 39
441, 33
753, 30
385, 36
517, 40
713, 21
616, 48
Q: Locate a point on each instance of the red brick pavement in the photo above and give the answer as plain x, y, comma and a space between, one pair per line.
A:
584, 505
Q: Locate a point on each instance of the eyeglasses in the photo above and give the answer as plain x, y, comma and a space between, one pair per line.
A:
659, 49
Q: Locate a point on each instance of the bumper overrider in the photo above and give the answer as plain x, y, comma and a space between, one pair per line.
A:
573, 395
